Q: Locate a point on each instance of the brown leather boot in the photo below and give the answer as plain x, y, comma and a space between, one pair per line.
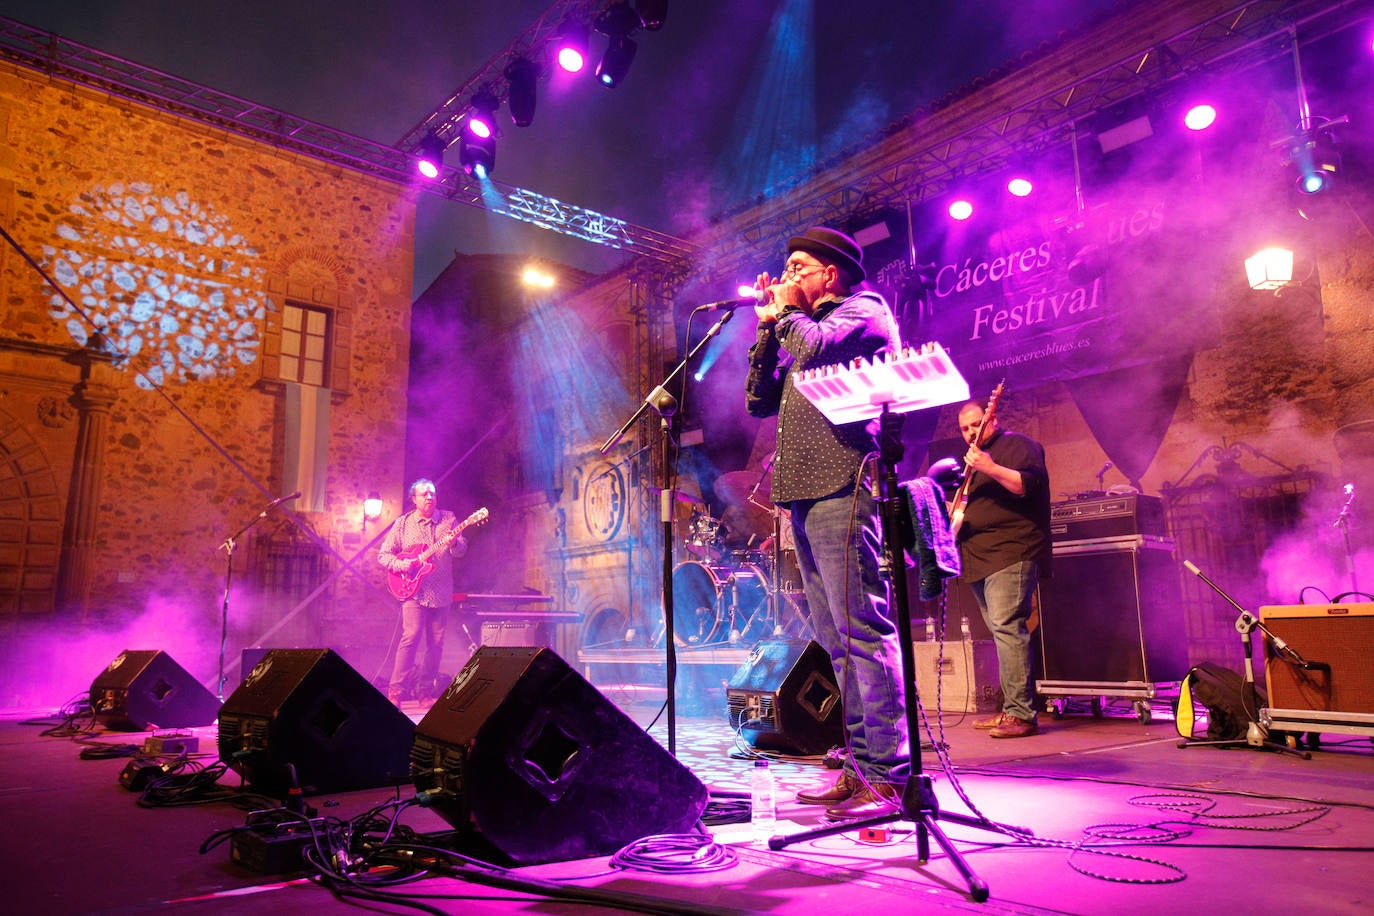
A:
844, 787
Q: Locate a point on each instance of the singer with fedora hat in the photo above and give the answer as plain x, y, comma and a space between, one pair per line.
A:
817, 313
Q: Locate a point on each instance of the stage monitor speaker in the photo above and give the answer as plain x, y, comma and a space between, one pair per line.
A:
1112, 613
144, 688
522, 753
307, 709
784, 697
1336, 641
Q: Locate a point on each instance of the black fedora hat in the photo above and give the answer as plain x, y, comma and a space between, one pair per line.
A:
833, 246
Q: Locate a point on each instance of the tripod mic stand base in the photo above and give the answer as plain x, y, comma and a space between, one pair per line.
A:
1264, 745
920, 807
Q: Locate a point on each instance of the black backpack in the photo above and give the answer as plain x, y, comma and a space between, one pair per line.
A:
1231, 703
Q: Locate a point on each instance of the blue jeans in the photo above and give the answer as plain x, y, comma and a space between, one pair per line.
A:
419, 622
1005, 600
839, 542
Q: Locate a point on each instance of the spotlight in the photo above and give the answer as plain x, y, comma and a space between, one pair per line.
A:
1316, 161
1200, 117
652, 13
477, 146
521, 76
1019, 187
617, 22
429, 158
961, 210
571, 45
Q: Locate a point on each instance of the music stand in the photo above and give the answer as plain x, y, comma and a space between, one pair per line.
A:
896, 387
1256, 735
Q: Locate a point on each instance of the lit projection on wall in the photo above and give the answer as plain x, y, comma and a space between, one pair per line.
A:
160, 275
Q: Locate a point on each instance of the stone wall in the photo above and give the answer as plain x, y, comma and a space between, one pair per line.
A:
182, 244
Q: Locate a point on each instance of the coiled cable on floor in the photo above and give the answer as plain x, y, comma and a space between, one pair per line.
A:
675, 853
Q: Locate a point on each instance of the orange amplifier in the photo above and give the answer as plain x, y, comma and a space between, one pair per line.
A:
1326, 682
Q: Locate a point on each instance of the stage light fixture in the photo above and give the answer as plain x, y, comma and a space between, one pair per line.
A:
1019, 187
961, 209
652, 13
617, 22
1200, 117
571, 45
1316, 161
429, 158
522, 74
477, 146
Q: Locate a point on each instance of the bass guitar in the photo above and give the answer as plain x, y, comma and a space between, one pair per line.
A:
404, 585
959, 503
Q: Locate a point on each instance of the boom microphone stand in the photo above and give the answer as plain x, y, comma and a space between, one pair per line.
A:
1256, 735
665, 405
229, 545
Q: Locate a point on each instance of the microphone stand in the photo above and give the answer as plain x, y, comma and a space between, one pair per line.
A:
229, 546
665, 405
1256, 735
1343, 522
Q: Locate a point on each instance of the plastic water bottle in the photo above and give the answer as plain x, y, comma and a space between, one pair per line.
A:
763, 802
930, 629
964, 632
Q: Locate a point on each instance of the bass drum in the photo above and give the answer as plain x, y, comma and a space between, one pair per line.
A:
698, 610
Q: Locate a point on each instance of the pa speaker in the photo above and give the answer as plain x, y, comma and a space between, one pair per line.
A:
1334, 643
524, 754
307, 711
784, 697
145, 688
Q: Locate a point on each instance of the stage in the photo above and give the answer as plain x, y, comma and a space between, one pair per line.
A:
1123, 821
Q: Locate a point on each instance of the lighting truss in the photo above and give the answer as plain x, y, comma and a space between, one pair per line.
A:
57, 57
1038, 109
445, 118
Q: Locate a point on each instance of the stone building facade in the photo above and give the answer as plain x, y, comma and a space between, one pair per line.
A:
195, 324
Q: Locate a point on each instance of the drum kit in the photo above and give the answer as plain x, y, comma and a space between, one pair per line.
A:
730, 593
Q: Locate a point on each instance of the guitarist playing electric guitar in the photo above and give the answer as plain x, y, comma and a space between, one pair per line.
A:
1004, 549
418, 552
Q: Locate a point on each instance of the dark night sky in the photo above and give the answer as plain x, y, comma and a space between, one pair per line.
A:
661, 150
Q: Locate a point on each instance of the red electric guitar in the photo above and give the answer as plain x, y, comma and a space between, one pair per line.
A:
404, 585
959, 503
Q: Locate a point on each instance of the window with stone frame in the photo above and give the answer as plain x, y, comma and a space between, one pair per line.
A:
306, 334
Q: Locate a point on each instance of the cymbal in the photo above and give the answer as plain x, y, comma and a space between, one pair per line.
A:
735, 487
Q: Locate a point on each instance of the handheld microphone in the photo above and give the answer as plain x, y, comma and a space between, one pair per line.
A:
282, 499
1105, 468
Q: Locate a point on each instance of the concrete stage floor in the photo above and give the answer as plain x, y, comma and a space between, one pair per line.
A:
1124, 822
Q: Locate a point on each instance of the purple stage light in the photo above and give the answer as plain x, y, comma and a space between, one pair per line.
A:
961, 210
571, 59
479, 126
1200, 117
1019, 187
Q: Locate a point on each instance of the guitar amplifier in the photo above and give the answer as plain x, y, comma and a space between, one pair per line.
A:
1097, 517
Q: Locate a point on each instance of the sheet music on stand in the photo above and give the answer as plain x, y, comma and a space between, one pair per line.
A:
912, 379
